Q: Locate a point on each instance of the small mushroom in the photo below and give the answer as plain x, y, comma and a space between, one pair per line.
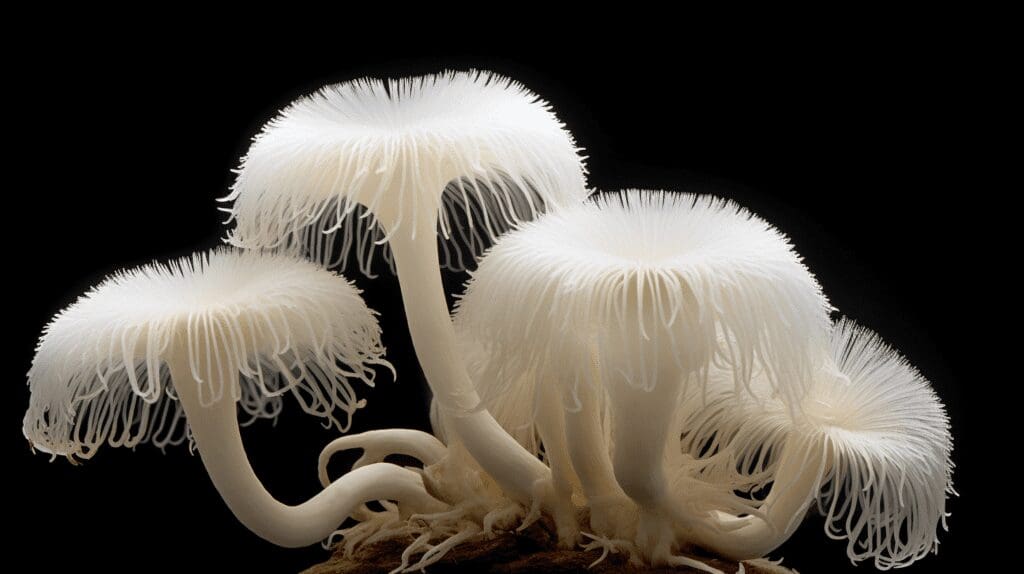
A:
367, 162
617, 310
871, 444
164, 352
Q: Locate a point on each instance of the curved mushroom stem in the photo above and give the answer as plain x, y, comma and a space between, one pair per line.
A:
419, 274
215, 430
588, 452
551, 427
379, 444
645, 374
642, 423
795, 486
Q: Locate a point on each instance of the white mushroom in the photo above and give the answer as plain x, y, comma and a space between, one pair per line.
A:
871, 444
619, 309
162, 352
367, 162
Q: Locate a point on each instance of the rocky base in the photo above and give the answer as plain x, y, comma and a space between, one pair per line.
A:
532, 551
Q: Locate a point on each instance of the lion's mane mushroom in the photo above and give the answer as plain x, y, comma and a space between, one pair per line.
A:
164, 352
870, 443
368, 162
607, 315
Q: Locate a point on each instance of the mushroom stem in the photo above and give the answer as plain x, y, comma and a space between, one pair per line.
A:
588, 452
380, 444
640, 434
419, 275
551, 427
795, 486
215, 430
643, 403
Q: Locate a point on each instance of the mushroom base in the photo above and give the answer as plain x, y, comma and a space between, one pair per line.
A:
484, 528
534, 550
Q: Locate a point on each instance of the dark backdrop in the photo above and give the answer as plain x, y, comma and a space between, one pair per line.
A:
852, 147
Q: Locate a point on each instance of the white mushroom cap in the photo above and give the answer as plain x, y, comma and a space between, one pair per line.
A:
883, 427
676, 278
100, 372
394, 148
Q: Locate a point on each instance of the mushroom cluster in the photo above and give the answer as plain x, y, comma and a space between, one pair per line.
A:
653, 372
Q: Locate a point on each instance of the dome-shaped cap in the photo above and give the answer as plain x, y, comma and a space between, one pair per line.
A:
677, 278
885, 431
477, 149
249, 325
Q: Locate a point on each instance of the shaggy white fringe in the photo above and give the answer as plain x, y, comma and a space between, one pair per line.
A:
477, 148
884, 427
253, 325
696, 275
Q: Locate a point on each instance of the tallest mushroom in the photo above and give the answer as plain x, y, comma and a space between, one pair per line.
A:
368, 162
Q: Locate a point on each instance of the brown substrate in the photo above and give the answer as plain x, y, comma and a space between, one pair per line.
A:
530, 552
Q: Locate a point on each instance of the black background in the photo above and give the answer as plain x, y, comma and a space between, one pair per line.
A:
853, 145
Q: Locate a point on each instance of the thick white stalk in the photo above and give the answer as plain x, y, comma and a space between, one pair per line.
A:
518, 472
795, 486
380, 444
215, 430
640, 434
641, 431
644, 380
588, 452
551, 426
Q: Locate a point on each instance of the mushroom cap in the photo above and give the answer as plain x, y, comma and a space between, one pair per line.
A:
670, 278
885, 429
476, 148
249, 325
